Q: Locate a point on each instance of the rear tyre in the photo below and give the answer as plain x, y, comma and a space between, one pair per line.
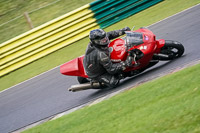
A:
82, 80
173, 49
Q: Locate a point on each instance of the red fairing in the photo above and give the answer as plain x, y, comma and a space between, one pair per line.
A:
117, 50
149, 45
74, 68
160, 43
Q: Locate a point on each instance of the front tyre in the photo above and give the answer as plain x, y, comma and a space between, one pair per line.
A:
172, 49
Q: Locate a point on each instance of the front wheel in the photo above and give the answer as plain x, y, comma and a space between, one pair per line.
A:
172, 49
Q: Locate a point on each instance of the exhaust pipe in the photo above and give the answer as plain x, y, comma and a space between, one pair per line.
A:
86, 86
161, 55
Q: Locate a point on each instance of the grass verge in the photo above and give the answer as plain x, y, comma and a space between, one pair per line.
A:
169, 104
40, 11
144, 18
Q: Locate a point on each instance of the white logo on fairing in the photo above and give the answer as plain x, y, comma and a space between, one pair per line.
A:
146, 37
143, 47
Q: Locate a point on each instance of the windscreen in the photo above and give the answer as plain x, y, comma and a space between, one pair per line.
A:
133, 38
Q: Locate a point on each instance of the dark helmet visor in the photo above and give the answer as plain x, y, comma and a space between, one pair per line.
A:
102, 41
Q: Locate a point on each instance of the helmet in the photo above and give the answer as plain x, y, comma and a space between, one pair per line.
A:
99, 38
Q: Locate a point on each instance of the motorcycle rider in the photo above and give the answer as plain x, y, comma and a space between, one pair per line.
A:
97, 62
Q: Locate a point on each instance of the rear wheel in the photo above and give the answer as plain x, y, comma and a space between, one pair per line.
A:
82, 80
172, 49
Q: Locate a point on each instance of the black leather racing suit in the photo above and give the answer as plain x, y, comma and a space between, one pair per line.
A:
98, 65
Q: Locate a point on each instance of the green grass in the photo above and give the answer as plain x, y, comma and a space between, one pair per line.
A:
12, 9
167, 105
144, 18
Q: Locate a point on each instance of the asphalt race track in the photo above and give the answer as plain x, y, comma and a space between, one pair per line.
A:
47, 94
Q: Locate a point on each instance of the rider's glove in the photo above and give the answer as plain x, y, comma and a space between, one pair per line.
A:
126, 29
127, 62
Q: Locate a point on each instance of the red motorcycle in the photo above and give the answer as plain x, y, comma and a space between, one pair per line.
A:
140, 44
